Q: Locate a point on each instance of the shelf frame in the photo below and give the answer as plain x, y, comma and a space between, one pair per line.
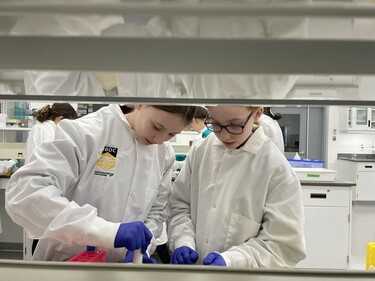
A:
330, 9
183, 55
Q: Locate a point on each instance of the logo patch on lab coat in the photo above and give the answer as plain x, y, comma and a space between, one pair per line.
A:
107, 161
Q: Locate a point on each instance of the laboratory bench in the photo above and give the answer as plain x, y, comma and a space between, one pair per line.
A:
336, 182
356, 157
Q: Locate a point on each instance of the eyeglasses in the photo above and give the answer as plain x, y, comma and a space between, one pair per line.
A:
232, 129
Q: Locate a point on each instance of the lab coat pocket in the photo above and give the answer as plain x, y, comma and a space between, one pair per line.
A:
150, 198
240, 230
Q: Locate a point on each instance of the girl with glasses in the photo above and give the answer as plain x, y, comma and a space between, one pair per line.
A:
236, 201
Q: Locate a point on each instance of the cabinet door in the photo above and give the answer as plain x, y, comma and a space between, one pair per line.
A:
372, 118
327, 237
360, 118
366, 185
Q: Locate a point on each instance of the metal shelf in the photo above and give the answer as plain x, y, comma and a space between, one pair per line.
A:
189, 55
42, 271
169, 9
14, 129
178, 55
205, 101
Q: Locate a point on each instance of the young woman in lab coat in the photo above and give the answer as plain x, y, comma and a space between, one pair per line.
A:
48, 117
103, 181
244, 208
272, 128
198, 124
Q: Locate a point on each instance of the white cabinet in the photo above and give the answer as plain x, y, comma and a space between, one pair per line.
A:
357, 119
327, 226
365, 190
363, 173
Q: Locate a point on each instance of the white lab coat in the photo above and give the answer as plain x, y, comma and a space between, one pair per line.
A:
39, 133
73, 194
243, 203
199, 137
272, 130
131, 84
236, 85
65, 83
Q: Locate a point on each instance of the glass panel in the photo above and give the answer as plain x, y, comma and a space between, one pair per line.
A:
361, 114
290, 126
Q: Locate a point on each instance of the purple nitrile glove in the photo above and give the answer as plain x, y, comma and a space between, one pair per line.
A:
184, 255
133, 235
214, 258
145, 259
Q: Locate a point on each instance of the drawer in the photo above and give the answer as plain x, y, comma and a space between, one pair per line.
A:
326, 196
366, 167
3, 182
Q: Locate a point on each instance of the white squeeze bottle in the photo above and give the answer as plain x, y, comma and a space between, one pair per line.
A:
297, 157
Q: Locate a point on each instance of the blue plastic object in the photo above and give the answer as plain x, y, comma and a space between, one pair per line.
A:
306, 163
180, 157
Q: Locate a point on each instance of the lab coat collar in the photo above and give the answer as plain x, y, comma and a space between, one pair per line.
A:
118, 113
253, 144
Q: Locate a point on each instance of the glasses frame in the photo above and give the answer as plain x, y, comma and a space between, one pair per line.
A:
209, 124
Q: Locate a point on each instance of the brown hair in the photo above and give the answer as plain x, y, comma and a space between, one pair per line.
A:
56, 110
268, 111
187, 112
201, 112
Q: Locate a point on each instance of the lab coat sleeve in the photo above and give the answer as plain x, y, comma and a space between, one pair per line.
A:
35, 194
280, 241
38, 134
159, 210
181, 230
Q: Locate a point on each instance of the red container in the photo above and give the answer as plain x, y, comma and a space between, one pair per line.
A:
90, 255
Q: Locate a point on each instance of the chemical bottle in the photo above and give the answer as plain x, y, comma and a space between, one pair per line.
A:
297, 157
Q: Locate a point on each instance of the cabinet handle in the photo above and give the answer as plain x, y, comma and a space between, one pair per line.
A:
368, 166
318, 195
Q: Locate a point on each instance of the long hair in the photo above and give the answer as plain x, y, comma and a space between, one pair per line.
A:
267, 111
56, 110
